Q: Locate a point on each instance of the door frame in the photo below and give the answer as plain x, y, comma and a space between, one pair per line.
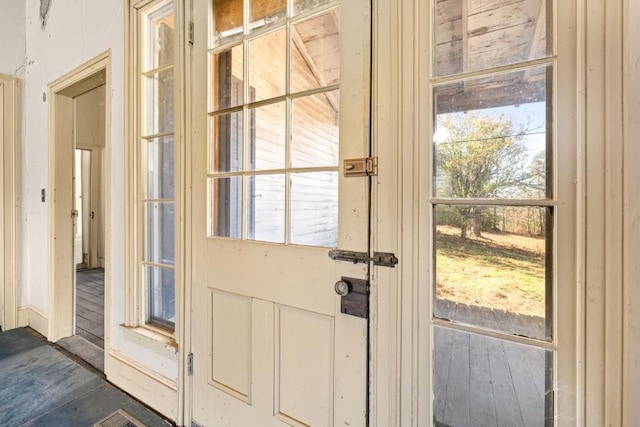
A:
93, 73
400, 298
9, 137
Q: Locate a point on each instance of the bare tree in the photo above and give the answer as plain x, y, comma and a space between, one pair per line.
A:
481, 157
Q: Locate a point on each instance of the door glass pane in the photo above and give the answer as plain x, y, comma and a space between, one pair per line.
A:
473, 35
227, 20
267, 65
160, 168
314, 209
264, 13
491, 136
314, 130
266, 130
266, 207
491, 267
483, 381
301, 6
226, 207
160, 26
227, 75
158, 105
162, 295
315, 53
267, 137
160, 227
226, 152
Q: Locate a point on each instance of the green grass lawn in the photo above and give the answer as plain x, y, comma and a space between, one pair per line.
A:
499, 270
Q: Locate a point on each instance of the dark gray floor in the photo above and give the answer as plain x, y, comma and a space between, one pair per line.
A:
90, 305
40, 386
89, 352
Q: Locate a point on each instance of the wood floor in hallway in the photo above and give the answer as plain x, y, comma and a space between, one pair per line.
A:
90, 305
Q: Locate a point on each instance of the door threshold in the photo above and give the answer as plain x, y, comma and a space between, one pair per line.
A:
85, 350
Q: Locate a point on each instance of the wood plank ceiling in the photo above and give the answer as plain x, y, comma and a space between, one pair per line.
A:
472, 35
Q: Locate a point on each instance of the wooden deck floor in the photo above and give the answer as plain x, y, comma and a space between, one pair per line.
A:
483, 381
90, 305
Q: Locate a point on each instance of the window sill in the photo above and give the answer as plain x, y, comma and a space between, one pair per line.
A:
154, 334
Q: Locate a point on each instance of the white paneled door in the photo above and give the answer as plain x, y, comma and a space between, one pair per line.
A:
281, 97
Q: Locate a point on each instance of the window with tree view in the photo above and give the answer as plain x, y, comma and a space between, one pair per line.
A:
273, 113
493, 210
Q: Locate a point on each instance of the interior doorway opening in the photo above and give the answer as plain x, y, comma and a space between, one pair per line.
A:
79, 118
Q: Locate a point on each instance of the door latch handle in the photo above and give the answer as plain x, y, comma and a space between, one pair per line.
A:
342, 288
383, 259
354, 296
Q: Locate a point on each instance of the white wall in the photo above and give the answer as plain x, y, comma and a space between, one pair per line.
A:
12, 37
76, 31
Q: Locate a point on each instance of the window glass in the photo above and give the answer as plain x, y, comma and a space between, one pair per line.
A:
158, 96
227, 20
301, 6
473, 35
491, 267
482, 381
226, 206
314, 130
265, 13
266, 208
493, 212
227, 74
160, 167
267, 133
314, 208
226, 135
491, 136
160, 226
156, 161
162, 295
274, 123
315, 52
268, 65
160, 38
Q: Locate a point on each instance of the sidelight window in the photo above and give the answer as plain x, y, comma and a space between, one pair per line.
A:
493, 213
152, 164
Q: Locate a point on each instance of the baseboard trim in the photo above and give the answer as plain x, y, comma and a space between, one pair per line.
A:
34, 318
156, 390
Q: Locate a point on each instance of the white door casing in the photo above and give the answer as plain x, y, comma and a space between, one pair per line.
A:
59, 195
269, 344
8, 203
